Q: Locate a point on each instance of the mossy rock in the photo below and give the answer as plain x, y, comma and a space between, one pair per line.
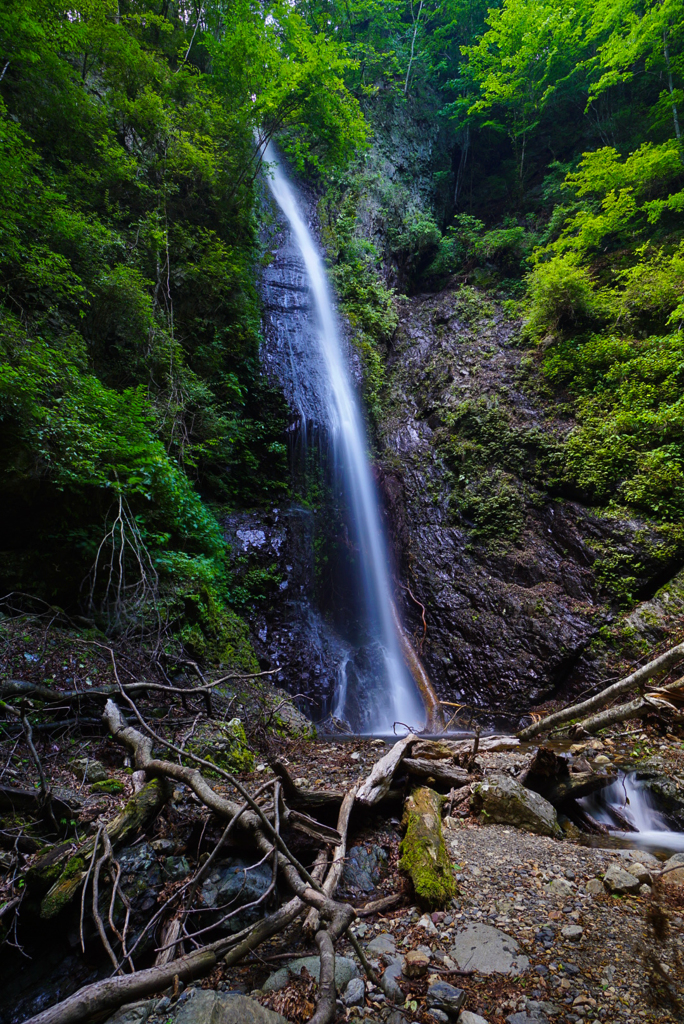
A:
223, 744
423, 853
111, 786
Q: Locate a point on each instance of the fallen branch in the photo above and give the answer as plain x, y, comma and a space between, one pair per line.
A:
378, 783
440, 771
336, 868
656, 701
637, 678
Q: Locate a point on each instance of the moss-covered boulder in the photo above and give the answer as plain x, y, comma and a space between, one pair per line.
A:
423, 853
224, 744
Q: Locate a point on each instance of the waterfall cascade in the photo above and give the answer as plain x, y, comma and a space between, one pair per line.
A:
629, 801
384, 693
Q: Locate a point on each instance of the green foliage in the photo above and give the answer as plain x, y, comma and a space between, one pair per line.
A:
354, 268
129, 320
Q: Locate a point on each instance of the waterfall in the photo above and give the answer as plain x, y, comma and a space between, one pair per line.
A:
387, 693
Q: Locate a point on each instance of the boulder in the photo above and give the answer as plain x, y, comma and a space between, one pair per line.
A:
364, 868
559, 887
466, 1017
675, 870
88, 770
483, 948
231, 884
390, 981
501, 799
641, 872
133, 1013
415, 964
620, 882
382, 945
345, 970
208, 1007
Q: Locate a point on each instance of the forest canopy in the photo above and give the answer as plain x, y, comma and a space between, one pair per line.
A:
130, 152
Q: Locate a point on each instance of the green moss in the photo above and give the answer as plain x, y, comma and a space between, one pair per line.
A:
423, 853
224, 745
112, 786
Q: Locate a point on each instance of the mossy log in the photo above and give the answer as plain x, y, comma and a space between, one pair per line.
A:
423, 853
62, 870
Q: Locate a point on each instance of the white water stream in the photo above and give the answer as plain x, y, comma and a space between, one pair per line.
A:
390, 695
634, 803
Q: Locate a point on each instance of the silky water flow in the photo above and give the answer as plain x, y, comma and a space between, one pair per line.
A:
389, 693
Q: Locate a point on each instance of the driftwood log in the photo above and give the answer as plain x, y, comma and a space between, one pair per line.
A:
642, 675
423, 853
650, 702
379, 782
444, 772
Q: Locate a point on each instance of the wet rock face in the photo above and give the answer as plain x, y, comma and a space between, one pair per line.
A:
508, 570
289, 633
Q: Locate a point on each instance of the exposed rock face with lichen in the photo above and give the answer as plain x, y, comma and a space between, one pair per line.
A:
523, 585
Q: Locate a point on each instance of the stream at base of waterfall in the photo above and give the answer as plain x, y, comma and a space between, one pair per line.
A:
374, 693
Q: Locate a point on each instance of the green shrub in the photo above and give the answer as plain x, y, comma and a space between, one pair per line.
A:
561, 295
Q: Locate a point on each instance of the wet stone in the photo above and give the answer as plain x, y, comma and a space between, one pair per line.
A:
363, 868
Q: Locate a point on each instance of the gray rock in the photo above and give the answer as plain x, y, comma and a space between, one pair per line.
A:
234, 882
445, 997
595, 887
466, 1017
542, 1006
641, 872
619, 881
440, 1016
176, 868
133, 1013
501, 799
523, 1018
208, 1007
354, 993
675, 870
363, 868
345, 970
390, 980
382, 945
645, 890
559, 887
89, 770
572, 932
483, 948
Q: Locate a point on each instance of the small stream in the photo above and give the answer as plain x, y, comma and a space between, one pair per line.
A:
630, 801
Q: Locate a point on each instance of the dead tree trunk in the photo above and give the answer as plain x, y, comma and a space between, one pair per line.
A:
637, 678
